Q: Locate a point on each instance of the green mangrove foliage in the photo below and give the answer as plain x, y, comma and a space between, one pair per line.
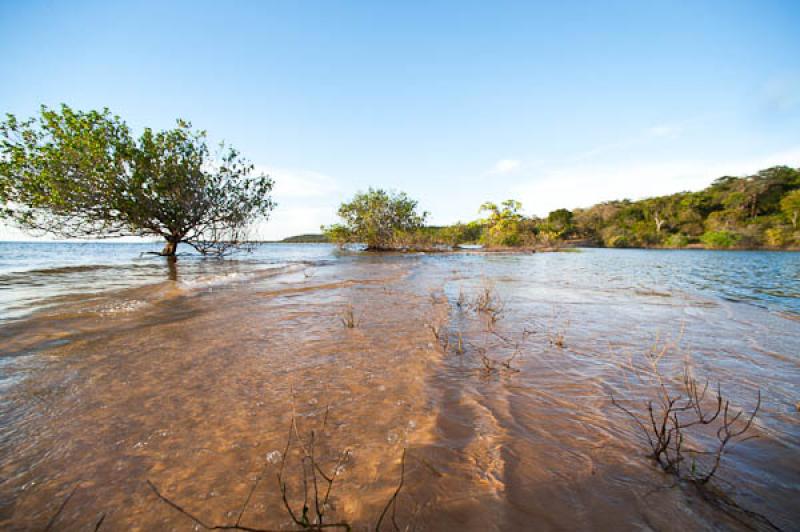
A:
83, 174
382, 220
504, 225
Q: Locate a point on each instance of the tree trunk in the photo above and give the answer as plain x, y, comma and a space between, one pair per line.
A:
794, 219
169, 248
659, 223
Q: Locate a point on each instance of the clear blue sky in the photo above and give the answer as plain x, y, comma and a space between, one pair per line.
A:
558, 104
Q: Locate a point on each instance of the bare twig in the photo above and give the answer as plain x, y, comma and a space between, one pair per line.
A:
393, 501
199, 521
60, 509
348, 317
675, 409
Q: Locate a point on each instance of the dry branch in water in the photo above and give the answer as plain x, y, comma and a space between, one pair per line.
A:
493, 364
497, 352
488, 303
309, 514
393, 501
315, 482
558, 338
60, 509
437, 296
461, 302
348, 317
674, 409
440, 333
459, 346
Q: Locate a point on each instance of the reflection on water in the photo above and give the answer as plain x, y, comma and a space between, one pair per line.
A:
191, 384
172, 266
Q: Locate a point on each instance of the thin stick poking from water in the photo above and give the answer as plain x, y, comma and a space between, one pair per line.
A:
199, 521
60, 509
393, 501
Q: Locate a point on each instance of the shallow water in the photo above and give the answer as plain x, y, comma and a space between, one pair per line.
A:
37, 274
192, 383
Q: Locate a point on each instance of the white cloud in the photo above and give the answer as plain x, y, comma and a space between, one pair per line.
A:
782, 93
306, 199
505, 166
584, 184
297, 183
664, 130
294, 220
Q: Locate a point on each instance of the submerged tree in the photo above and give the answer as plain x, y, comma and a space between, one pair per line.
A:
82, 174
376, 218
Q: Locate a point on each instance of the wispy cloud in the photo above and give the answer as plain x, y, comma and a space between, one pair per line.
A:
665, 130
640, 138
298, 183
505, 166
306, 199
782, 93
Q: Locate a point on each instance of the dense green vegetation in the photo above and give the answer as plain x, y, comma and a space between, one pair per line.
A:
757, 211
382, 220
310, 238
83, 174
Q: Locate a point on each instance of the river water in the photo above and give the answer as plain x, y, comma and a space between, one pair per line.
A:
121, 374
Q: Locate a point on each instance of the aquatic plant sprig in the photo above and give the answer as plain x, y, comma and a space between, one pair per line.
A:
349, 318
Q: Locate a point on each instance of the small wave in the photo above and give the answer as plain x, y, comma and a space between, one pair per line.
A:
210, 281
650, 292
221, 279
62, 270
789, 315
119, 307
27, 275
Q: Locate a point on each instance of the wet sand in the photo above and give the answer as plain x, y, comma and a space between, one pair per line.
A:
195, 391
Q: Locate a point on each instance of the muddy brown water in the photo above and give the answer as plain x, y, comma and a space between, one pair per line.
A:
195, 392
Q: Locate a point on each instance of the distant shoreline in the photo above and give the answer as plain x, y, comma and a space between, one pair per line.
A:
520, 250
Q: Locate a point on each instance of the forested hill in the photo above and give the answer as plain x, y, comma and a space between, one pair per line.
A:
761, 210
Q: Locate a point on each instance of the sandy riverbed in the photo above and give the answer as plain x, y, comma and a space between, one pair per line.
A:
195, 391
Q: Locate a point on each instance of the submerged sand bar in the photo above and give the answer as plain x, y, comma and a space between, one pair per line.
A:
195, 389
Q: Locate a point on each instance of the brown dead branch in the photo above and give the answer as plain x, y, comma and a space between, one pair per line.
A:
310, 513
60, 509
393, 501
348, 317
674, 410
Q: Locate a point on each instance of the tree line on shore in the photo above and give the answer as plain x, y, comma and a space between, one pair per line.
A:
756, 211
84, 174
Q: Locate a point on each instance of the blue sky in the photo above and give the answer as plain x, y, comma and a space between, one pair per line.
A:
558, 104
